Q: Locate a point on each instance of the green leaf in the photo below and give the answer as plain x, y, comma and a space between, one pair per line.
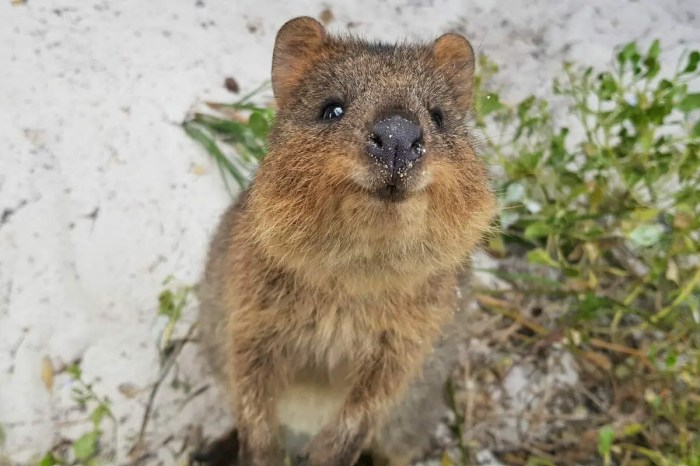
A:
632, 429
542, 257
606, 436
654, 49
86, 447
593, 306
689, 103
225, 128
74, 371
653, 67
644, 214
646, 235
165, 304
538, 461
671, 360
49, 460
99, 413
528, 161
211, 147
445, 460
696, 130
258, 124
693, 61
628, 53
608, 86
488, 103
537, 230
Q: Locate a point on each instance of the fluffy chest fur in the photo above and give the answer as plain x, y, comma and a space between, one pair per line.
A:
305, 406
325, 338
326, 328
329, 353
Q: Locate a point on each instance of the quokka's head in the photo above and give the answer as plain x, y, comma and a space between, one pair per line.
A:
382, 117
372, 140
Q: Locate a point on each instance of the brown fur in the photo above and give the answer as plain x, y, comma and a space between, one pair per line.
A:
312, 278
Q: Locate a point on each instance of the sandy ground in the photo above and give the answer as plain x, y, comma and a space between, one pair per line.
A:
102, 195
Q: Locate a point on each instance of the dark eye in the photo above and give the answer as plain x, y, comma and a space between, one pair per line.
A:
437, 116
332, 111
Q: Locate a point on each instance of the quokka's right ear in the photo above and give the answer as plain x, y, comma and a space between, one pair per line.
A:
454, 56
295, 45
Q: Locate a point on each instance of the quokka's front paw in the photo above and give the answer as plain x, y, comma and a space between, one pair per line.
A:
222, 452
335, 447
270, 455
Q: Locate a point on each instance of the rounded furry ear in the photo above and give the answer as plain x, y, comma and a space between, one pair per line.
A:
294, 50
454, 56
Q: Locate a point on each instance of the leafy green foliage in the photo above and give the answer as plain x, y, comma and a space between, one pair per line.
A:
628, 187
242, 125
49, 460
608, 199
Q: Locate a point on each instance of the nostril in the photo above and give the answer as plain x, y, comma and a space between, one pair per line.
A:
417, 147
376, 140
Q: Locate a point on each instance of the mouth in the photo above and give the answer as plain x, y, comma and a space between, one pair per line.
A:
391, 187
380, 185
392, 193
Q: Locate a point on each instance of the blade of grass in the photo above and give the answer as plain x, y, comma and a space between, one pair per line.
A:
211, 147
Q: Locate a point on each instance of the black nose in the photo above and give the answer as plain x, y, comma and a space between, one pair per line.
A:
396, 143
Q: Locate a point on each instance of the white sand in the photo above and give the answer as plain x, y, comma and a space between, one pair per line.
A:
102, 195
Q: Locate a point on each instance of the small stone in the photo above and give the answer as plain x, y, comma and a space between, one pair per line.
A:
326, 16
231, 85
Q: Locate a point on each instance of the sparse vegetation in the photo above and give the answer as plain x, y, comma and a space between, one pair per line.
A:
171, 304
87, 449
612, 219
242, 126
601, 207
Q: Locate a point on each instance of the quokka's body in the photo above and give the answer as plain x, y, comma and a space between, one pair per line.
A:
330, 285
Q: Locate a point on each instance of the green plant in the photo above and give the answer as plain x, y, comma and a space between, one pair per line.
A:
242, 125
86, 449
172, 301
614, 215
621, 205
606, 436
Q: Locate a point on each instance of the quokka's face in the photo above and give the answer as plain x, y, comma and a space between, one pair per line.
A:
384, 120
